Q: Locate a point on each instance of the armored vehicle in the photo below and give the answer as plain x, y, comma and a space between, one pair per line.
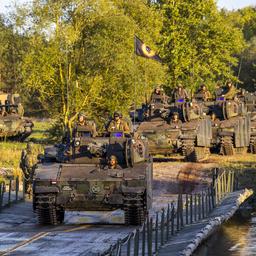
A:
196, 132
232, 125
249, 100
82, 179
12, 123
190, 135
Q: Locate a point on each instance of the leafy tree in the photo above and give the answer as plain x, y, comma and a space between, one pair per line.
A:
12, 47
198, 43
81, 55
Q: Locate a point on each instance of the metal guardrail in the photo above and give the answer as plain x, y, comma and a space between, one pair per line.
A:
10, 192
225, 183
189, 208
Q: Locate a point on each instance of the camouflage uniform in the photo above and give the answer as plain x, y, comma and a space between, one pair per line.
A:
180, 93
203, 94
231, 92
175, 122
28, 164
117, 124
90, 126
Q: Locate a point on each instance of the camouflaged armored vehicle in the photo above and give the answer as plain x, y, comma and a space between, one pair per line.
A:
231, 127
12, 123
80, 179
191, 136
249, 99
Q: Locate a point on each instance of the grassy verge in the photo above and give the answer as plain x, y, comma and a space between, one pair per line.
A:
10, 152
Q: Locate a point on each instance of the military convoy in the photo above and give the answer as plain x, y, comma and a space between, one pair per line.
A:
12, 123
83, 177
190, 134
114, 170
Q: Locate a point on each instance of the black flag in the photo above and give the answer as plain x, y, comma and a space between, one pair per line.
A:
145, 51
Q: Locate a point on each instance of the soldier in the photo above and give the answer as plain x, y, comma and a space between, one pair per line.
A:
194, 110
158, 91
180, 93
28, 163
113, 163
175, 121
215, 121
83, 122
117, 124
203, 93
230, 91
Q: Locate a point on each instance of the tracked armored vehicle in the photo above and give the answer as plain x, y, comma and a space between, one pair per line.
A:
232, 128
191, 136
81, 180
12, 123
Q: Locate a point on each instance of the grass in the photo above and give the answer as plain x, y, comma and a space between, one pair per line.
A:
10, 152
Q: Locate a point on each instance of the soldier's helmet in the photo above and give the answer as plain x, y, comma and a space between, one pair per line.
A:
175, 114
229, 83
112, 161
203, 87
117, 114
81, 117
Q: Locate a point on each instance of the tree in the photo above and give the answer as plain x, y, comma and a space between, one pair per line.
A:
12, 48
81, 55
198, 43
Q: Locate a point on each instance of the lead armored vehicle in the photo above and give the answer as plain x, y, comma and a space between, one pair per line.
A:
12, 123
81, 179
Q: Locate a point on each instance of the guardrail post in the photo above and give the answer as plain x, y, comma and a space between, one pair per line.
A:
162, 227
136, 242
172, 219
178, 214
212, 197
209, 199
149, 229
1, 195
191, 208
203, 205
186, 209
168, 222
9, 192
199, 207
181, 211
156, 233
23, 189
195, 207
17, 189
143, 239
129, 246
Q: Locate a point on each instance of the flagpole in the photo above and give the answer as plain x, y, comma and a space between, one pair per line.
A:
135, 80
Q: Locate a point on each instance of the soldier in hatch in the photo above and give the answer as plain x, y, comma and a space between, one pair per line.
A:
113, 163
175, 120
215, 121
117, 124
230, 91
180, 93
203, 93
28, 164
83, 122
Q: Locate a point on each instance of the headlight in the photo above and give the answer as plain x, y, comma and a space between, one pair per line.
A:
77, 143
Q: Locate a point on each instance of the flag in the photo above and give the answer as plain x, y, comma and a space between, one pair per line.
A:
145, 51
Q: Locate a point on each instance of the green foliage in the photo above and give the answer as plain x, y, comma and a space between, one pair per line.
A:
198, 43
245, 19
81, 56
12, 48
